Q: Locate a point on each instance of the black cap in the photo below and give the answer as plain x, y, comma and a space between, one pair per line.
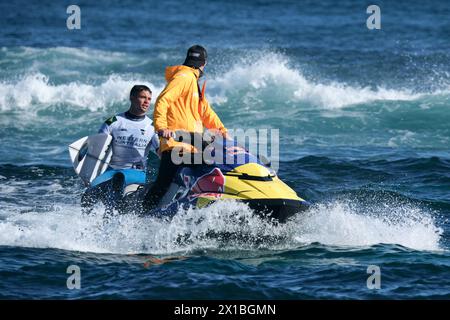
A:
196, 56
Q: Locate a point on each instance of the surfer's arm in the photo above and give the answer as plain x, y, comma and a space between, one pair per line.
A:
105, 129
154, 144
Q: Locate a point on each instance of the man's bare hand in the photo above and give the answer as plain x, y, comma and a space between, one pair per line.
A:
165, 133
217, 132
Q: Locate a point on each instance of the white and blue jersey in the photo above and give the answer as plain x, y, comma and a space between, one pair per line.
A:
133, 138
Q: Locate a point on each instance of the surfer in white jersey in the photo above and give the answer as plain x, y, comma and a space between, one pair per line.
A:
133, 138
133, 133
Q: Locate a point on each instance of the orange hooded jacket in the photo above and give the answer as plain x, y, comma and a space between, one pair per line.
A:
178, 106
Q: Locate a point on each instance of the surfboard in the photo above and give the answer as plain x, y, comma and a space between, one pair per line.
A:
91, 155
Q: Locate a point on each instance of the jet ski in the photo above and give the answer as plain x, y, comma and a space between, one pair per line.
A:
234, 174
113, 189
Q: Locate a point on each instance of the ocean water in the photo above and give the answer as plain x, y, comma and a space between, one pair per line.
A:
364, 122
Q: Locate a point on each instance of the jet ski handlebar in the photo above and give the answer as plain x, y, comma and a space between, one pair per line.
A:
192, 138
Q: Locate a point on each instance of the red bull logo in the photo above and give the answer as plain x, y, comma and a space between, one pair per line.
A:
210, 184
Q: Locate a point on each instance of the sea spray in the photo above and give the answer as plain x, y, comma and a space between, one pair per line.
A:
224, 225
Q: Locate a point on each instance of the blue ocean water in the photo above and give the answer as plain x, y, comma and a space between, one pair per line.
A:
364, 135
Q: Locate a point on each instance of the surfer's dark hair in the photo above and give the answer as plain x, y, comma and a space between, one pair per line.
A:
137, 89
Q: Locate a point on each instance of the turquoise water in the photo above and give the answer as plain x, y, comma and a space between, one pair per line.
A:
364, 129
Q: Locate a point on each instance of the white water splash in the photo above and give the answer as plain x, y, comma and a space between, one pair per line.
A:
248, 78
273, 72
36, 89
338, 224
334, 224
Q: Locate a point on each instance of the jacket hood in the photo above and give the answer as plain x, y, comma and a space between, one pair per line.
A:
172, 71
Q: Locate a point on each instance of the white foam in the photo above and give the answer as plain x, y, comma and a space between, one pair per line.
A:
5, 189
338, 224
251, 79
35, 89
64, 227
403, 137
273, 72
335, 224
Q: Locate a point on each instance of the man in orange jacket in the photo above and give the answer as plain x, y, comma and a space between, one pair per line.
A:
180, 106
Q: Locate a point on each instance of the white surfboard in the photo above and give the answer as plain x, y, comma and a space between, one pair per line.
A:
90, 156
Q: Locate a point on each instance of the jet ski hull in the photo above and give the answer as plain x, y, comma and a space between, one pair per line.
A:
278, 209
